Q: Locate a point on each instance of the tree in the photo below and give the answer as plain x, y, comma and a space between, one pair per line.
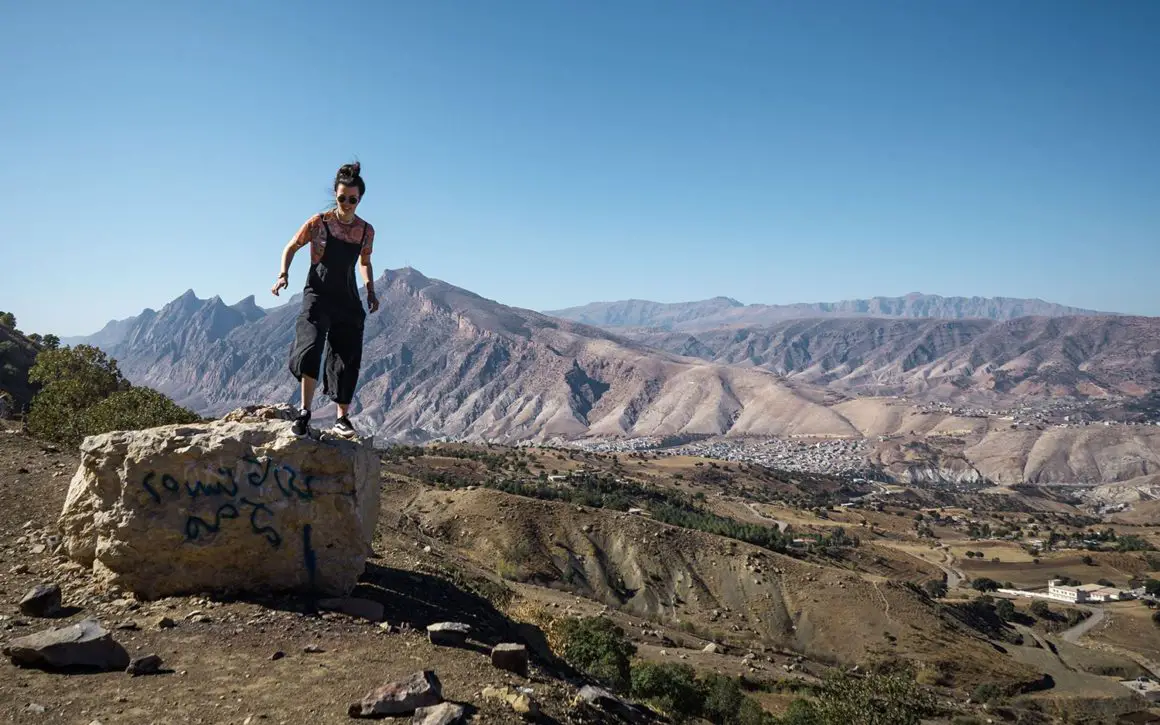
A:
85, 394
74, 379
1152, 587
50, 342
1040, 609
1005, 609
935, 588
598, 646
7, 319
1156, 617
1088, 560
983, 584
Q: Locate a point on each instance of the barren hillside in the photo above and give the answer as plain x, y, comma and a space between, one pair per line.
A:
1080, 356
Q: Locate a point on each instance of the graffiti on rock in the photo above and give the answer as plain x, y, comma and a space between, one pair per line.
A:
260, 476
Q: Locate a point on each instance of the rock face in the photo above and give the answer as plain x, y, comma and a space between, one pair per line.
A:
238, 505
85, 645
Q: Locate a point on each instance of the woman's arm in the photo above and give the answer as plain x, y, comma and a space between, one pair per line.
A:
300, 240
287, 257
368, 272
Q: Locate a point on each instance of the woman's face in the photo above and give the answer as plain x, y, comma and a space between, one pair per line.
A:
347, 198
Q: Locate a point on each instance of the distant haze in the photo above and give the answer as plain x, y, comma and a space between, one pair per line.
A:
725, 311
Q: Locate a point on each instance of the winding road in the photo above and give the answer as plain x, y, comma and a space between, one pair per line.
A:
781, 525
1079, 630
954, 576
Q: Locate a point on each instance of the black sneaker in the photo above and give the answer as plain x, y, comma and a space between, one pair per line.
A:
343, 428
301, 424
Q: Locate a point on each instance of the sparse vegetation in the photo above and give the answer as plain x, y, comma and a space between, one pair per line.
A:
893, 699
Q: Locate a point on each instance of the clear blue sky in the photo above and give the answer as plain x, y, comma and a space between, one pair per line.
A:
547, 154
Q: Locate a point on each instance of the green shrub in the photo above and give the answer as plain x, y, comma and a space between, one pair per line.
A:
135, 409
723, 699
986, 692
671, 687
85, 394
871, 700
599, 647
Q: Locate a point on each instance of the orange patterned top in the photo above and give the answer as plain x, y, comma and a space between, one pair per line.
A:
314, 233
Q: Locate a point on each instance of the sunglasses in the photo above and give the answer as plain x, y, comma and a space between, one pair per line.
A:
342, 199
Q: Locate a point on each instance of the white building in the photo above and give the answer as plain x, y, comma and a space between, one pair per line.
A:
1084, 592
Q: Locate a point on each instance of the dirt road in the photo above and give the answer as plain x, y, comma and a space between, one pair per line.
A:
781, 525
1079, 630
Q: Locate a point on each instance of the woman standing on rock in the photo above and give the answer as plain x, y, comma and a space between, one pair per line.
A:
331, 309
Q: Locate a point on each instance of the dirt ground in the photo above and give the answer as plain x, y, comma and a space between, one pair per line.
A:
223, 670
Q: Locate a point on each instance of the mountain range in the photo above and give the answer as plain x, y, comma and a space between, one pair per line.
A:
442, 361
727, 312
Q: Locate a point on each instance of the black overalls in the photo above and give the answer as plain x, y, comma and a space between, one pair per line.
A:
331, 311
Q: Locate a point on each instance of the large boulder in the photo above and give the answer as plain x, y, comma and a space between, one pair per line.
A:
236, 505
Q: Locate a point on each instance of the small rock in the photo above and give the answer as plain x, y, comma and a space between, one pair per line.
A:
200, 619
354, 607
36, 708
19, 569
165, 623
38, 549
447, 713
147, 665
42, 601
712, 648
448, 634
128, 625
313, 649
422, 689
520, 702
427, 549
510, 657
82, 645
278, 655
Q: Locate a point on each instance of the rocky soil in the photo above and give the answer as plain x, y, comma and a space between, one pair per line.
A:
263, 660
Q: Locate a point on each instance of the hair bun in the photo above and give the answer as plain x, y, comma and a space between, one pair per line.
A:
351, 170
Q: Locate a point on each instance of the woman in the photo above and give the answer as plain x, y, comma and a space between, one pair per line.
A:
331, 309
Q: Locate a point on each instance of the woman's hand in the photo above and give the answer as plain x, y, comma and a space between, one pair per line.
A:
372, 302
282, 283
